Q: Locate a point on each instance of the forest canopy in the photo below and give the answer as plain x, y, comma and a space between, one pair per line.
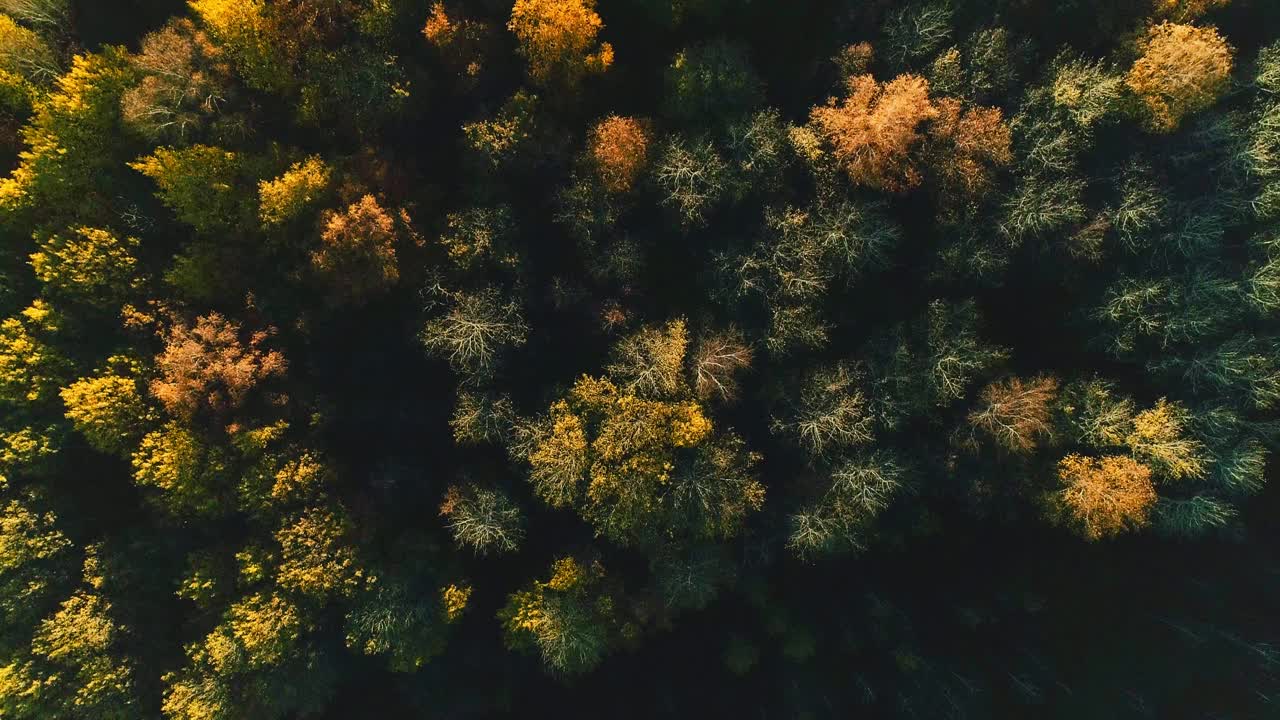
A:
639, 358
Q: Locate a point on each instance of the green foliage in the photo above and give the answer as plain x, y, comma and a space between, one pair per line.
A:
201, 185
711, 84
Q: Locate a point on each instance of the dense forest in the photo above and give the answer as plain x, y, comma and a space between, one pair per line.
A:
639, 358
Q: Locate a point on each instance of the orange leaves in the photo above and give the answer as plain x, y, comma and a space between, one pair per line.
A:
208, 366
619, 148
1015, 412
879, 132
357, 252
1104, 497
873, 131
966, 144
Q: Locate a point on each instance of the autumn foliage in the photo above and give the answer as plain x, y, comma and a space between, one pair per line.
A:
620, 150
210, 365
1183, 70
875, 129
558, 38
1104, 497
357, 254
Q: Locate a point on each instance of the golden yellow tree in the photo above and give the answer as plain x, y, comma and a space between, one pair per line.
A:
874, 131
1104, 497
1158, 439
283, 198
1183, 69
558, 38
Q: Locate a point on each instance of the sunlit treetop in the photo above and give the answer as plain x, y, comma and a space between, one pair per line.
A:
1183, 69
558, 38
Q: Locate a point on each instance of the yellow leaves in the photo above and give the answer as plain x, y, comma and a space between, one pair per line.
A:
79, 630
560, 458
245, 28
30, 371
650, 362
27, 537
566, 574
283, 198
454, 600
1183, 69
266, 626
1186, 10
1103, 498
557, 37
1157, 439
91, 265
315, 555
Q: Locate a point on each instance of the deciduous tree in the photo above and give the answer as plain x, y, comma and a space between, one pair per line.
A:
1183, 70
1101, 498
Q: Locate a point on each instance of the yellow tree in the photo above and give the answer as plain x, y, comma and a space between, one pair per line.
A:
558, 38
108, 408
1158, 439
874, 131
88, 265
1103, 497
1183, 70
283, 198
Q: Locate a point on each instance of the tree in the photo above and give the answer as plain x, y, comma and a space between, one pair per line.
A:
77, 641
708, 85
956, 352
51, 15
474, 330
190, 474
650, 361
1158, 441
917, 30
1101, 498
692, 176
967, 145
566, 619
1183, 70
357, 254
475, 235
250, 34
108, 408
619, 150
1094, 414
92, 266
206, 366
184, 85
1016, 413
558, 37
70, 146
829, 414
717, 359
482, 519
459, 39
33, 554
284, 198
651, 468
1184, 11
861, 488
875, 130
25, 54
316, 555
202, 185
30, 369
390, 619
